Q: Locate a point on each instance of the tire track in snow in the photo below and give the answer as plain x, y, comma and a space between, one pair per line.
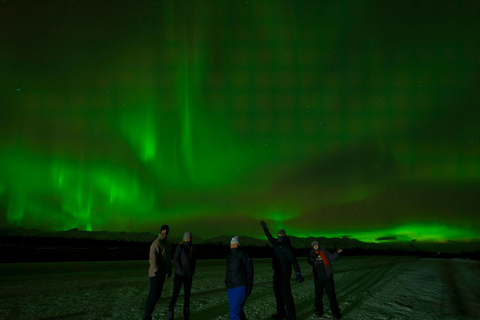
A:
462, 291
353, 291
347, 283
262, 294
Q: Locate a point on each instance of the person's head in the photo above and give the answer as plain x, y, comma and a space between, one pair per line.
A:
187, 237
234, 243
164, 231
315, 245
281, 235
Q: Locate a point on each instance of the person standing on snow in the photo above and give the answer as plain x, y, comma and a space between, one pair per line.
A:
160, 267
185, 261
321, 259
239, 279
282, 262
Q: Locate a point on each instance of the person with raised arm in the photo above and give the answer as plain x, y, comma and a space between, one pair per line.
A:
283, 260
321, 260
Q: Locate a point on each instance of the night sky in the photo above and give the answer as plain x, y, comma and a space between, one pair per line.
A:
325, 118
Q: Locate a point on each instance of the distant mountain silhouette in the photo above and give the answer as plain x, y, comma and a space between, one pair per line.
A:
345, 242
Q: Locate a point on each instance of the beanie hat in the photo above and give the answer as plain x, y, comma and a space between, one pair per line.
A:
187, 235
315, 242
164, 227
282, 232
235, 240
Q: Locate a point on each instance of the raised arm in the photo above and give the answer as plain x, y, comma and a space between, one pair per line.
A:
333, 256
267, 233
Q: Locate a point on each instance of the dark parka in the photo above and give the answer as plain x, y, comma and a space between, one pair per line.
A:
184, 260
284, 258
239, 270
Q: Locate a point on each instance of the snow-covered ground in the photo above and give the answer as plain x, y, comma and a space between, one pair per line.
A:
376, 287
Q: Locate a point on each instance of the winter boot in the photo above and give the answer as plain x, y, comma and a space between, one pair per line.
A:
319, 313
170, 315
186, 313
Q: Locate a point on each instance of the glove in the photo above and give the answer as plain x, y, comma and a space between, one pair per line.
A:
263, 224
299, 278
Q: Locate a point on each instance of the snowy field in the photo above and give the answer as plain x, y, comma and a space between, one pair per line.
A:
388, 287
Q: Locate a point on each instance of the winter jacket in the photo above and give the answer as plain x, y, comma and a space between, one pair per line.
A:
160, 256
184, 260
312, 260
239, 270
283, 257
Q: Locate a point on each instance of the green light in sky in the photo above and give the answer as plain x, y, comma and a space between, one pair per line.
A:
406, 232
180, 110
432, 232
138, 124
186, 151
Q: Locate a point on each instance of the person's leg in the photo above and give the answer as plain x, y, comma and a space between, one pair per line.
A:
332, 297
187, 287
156, 287
242, 313
319, 288
277, 284
236, 298
177, 286
288, 299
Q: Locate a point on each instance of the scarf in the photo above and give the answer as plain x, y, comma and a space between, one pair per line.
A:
188, 245
325, 260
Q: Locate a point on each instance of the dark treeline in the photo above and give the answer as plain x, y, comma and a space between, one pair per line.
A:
45, 249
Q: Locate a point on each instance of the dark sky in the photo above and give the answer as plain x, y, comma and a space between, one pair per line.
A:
328, 118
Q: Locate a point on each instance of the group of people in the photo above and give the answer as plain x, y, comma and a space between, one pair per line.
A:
239, 275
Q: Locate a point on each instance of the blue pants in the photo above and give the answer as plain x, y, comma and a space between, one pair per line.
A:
236, 300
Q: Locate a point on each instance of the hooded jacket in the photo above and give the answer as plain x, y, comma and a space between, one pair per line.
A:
239, 270
160, 256
184, 260
283, 257
312, 260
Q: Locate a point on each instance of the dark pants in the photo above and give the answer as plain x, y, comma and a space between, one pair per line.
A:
177, 285
327, 285
283, 294
156, 287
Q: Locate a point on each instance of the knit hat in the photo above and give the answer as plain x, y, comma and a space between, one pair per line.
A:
282, 232
187, 235
164, 227
235, 240
315, 242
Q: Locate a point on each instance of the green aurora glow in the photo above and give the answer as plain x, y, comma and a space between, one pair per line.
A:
324, 118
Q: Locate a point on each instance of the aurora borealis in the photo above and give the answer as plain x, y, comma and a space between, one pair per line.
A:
329, 118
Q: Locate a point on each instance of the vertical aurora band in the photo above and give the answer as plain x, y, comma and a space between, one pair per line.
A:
343, 118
